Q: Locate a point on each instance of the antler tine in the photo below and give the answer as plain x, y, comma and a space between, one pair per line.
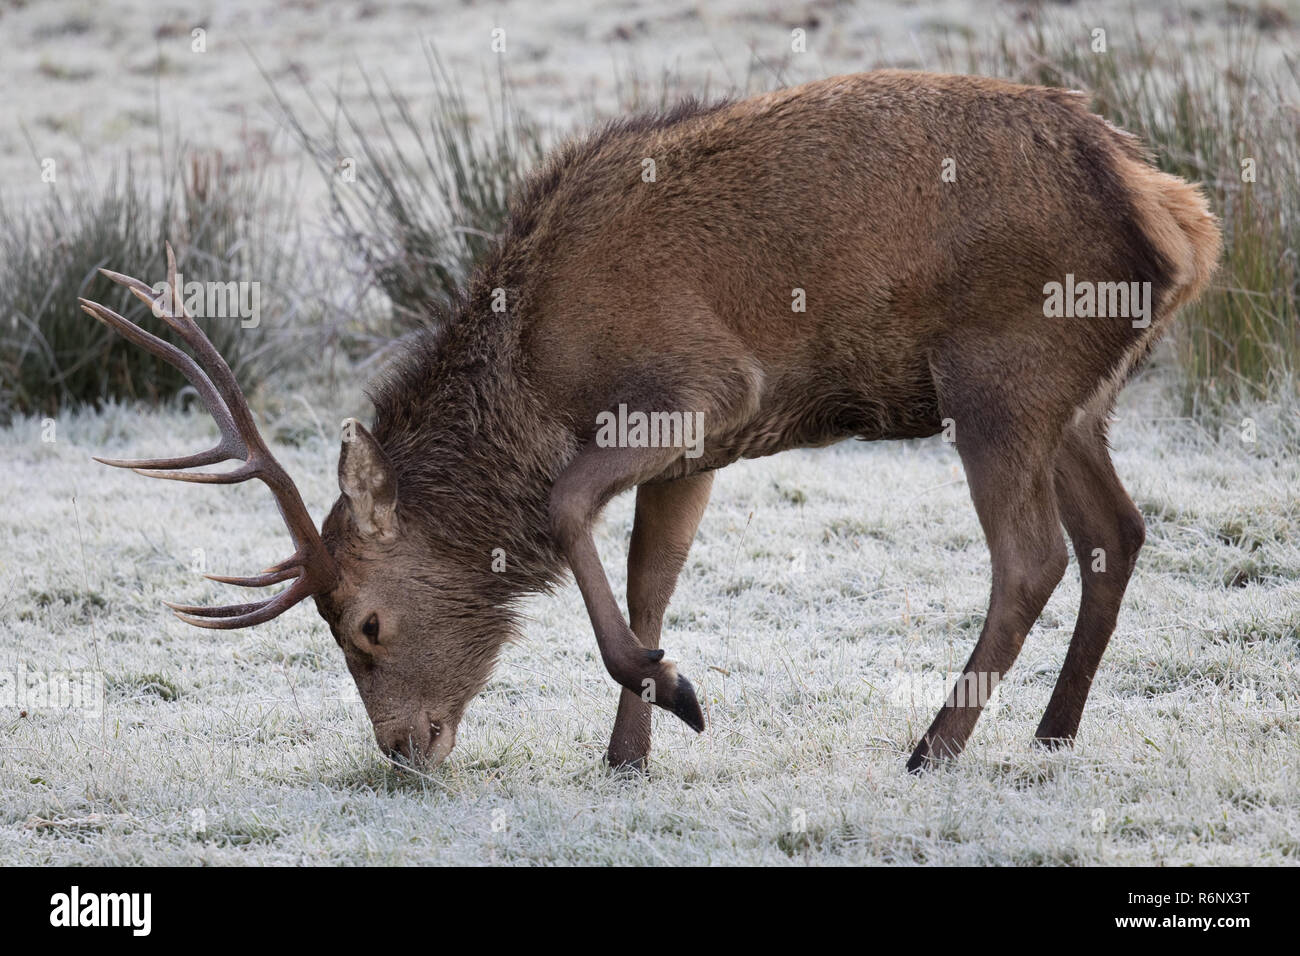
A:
311, 567
261, 463
228, 610
243, 615
231, 444
257, 580
145, 465
232, 477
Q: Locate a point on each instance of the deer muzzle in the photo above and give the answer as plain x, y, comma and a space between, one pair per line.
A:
423, 739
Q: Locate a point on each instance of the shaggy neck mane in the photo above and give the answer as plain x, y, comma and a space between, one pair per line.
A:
474, 452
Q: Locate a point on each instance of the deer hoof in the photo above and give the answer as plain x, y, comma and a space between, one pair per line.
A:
686, 706
919, 762
629, 765
927, 757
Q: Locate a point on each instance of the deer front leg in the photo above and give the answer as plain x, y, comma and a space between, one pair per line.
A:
581, 491
667, 516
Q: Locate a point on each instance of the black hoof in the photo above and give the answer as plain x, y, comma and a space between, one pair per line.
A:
930, 754
919, 762
636, 767
686, 706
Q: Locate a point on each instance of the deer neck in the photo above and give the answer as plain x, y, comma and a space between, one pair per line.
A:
476, 452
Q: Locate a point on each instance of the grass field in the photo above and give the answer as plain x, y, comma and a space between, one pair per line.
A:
825, 592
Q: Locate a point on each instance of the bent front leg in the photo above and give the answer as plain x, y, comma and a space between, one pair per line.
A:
594, 477
667, 516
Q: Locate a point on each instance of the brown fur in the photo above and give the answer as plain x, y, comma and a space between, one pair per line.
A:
924, 303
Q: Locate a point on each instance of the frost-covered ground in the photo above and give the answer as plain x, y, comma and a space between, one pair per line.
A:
826, 593
86, 80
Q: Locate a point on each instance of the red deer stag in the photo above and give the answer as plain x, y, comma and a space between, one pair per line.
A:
924, 223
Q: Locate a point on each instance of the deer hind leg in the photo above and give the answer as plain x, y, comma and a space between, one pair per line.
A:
667, 516
1107, 532
1008, 467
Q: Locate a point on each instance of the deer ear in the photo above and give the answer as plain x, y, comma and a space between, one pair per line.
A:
366, 479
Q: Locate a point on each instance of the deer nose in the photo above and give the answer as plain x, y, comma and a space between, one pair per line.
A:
419, 739
405, 739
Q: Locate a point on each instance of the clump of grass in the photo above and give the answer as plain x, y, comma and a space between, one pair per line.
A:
418, 204
135, 686
1205, 114
226, 223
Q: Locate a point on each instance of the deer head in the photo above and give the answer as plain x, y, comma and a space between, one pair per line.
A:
419, 636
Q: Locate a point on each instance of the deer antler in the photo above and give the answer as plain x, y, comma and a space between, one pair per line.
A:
311, 567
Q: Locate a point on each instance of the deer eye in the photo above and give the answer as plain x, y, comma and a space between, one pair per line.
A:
371, 628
